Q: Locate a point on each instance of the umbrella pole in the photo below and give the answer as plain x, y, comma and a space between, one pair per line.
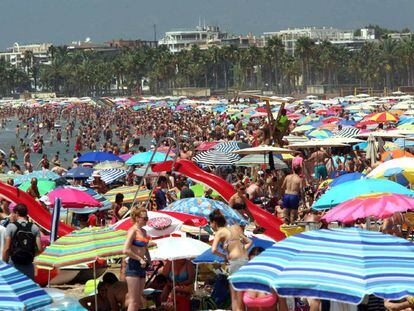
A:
48, 278
94, 284
196, 279
173, 279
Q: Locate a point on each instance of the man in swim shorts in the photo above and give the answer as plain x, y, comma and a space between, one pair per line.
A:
293, 191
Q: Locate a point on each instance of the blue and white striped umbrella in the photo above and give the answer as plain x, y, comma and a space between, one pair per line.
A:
109, 176
18, 292
337, 264
203, 207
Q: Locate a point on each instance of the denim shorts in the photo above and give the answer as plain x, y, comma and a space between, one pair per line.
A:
133, 268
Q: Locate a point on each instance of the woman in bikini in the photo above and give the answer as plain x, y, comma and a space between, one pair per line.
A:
138, 260
236, 245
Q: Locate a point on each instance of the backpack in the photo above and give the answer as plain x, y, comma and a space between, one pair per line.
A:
23, 244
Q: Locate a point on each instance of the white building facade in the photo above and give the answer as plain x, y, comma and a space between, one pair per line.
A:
15, 54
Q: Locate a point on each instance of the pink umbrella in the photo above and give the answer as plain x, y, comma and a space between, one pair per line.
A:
379, 205
73, 198
125, 156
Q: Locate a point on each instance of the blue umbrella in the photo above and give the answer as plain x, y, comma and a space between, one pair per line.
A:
346, 177
110, 175
98, 156
339, 264
43, 175
209, 257
203, 207
347, 122
144, 158
79, 172
352, 189
397, 175
18, 292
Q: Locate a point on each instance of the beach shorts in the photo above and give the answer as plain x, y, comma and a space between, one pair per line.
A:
320, 172
290, 201
236, 264
134, 269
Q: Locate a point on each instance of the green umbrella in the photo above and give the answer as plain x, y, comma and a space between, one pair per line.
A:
198, 190
44, 186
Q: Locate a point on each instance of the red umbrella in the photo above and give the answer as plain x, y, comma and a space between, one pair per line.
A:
206, 145
331, 120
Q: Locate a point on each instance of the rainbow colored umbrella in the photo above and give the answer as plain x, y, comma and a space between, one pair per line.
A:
379, 205
383, 117
405, 164
81, 247
129, 193
319, 134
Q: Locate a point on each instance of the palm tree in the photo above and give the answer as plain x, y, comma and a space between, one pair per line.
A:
304, 50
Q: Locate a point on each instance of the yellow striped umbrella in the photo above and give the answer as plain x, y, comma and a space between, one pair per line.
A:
383, 117
129, 193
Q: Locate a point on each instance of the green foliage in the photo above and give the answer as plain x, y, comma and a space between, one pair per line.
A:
386, 63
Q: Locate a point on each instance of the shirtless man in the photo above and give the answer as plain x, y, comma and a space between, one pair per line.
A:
255, 191
293, 191
319, 159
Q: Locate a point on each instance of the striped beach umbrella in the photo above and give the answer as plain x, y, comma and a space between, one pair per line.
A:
81, 247
383, 117
18, 292
320, 134
129, 193
43, 175
338, 264
347, 132
110, 175
216, 158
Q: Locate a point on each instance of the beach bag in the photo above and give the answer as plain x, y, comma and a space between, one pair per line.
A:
23, 244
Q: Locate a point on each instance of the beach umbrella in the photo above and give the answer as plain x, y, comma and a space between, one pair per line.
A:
107, 165
44, 186
338, 264
44, 175
199, 189
73, 198
82, 247
302, 128
319, 134
352, 189
395, 154
145, 157
230, 146
203, 207
405, 164
177, 248
383, 117
79, 172
18, 292
163, 223
206, 145
109, 176
379, 205
143, 170
97, 156
209, 257
258, 159
216, 158
406, 126
347, 132
345, 178
263, 149
5, 177
129, 193
125, 156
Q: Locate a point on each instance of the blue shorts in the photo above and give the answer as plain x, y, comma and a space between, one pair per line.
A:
290, 201
134, 268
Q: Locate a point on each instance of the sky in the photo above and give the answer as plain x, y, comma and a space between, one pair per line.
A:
64, 21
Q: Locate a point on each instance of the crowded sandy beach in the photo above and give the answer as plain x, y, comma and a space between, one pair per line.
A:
213, 203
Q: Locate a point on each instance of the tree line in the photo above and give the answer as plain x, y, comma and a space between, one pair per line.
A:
383, 63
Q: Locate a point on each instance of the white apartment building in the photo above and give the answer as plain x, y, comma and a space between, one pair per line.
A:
177, 40
346, 38
15, 54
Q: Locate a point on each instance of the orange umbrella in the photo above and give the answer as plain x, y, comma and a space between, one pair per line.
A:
395, 154
383, 117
